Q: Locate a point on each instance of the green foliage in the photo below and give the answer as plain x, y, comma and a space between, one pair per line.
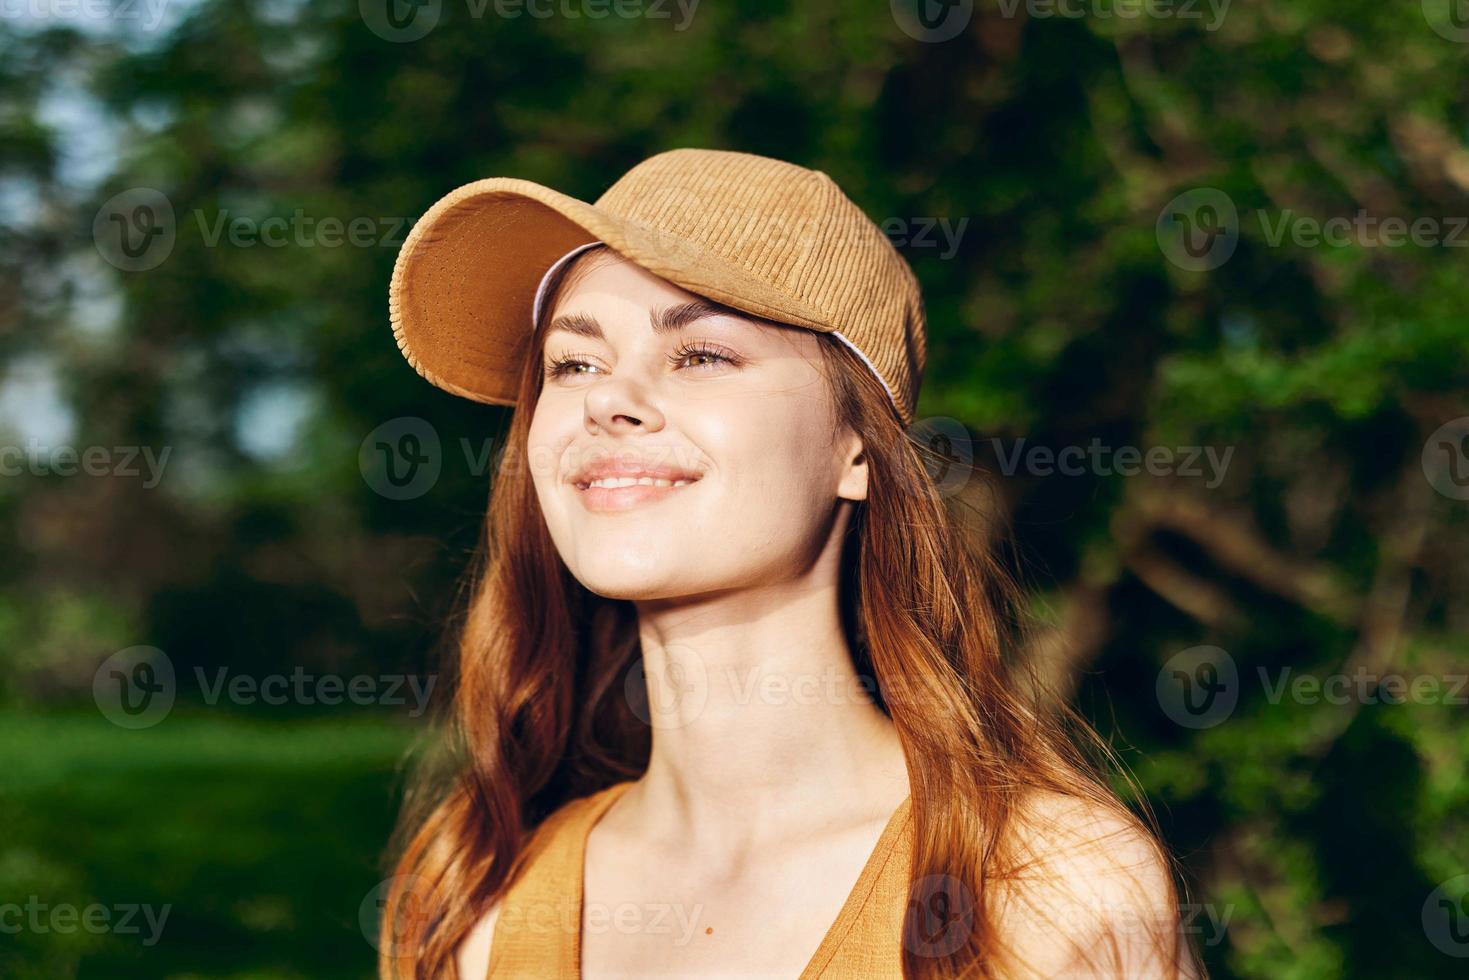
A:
253, 844
1315, 829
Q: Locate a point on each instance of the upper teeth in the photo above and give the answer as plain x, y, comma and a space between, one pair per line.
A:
629, 481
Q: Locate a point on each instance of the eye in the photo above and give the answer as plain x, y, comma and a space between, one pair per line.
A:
711, 355
712, 352
557, 367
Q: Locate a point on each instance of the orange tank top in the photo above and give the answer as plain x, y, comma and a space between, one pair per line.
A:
538, 929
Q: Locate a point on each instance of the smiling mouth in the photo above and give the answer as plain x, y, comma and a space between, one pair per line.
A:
619, 482
620, 493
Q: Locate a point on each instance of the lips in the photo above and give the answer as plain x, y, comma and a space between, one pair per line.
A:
619, 482
620, 473
615, 485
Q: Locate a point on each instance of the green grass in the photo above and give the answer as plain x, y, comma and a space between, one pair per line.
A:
259, 837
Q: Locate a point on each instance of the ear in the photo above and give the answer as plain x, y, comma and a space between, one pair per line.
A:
853, 483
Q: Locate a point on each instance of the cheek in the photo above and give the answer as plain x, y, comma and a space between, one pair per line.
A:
546, 441
774, 457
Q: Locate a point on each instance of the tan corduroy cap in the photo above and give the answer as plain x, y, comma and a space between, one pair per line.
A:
763, 236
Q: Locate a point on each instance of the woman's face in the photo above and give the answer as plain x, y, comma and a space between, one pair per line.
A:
644, 380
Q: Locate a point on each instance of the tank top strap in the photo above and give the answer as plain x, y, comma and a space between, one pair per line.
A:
538, 929
866, 940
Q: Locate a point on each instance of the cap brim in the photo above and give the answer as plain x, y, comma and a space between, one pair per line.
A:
465, 280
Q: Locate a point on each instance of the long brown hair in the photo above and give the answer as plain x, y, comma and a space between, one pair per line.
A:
540, 718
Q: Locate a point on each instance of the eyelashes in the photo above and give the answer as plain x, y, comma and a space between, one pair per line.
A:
567, 364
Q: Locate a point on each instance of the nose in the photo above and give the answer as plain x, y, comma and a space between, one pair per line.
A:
621, 404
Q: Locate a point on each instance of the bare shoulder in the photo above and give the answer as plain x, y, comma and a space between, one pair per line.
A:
1096, 879
473, 957
1080, 835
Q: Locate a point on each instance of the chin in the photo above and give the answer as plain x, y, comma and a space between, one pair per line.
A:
615, 575
619, 572
631, 587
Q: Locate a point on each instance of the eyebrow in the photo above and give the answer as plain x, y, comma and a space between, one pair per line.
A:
669, 319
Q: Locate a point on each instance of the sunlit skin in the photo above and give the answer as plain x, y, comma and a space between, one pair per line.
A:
772, 773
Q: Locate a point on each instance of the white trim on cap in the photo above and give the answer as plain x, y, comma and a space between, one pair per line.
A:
871, 367
535, 310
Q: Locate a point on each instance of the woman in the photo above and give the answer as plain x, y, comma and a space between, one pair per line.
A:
731, 699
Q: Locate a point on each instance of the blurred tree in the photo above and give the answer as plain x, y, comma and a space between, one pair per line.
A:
1118, 253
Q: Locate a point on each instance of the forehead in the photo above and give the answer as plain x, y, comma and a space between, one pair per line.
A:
603, 271
603, 288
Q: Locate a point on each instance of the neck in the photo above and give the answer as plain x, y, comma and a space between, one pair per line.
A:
759, 718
